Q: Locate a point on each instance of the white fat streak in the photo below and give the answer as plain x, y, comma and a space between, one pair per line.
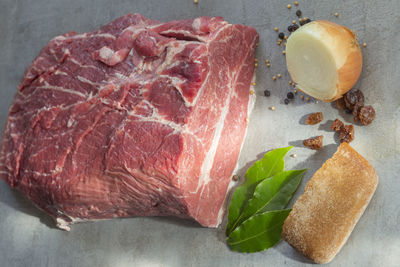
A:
84, 80
204, 178
61, 89
85, 35
82, 66
59, 72
250, 106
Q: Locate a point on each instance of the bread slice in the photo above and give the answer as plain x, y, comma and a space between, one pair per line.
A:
333, 200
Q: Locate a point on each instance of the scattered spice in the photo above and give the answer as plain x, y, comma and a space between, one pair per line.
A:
314, 118
298, 13
346, 134
356, 110
295, 91
307, 99
293, 22
283, 52
290, 82
235, 177
364, 44
290, 95
251, 92
293, 84
274, 78
353, 97
293, 156
289, 6
336, 14
314, 143
253, 83
256, 59
256, 65
337, 125
281, 35
266, 61
272, 108
279, 42
276, 29
302, 97
286, 101
296, 3
285, 37
279, 75
267, 93
196, 1
268, 65
366, 114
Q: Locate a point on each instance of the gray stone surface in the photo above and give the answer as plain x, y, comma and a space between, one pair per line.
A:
27, 236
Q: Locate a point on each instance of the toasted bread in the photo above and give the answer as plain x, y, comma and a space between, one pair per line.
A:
334, 199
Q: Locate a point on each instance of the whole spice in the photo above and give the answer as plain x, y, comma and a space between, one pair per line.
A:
296, 3
281, 35
314, 143
352, 98
289, 6
267, 93
336, 14
356, 110
346, 134
298, 13
290, 95
276, 29
286, 101
314, 118
235, 177
337, 125
366, 114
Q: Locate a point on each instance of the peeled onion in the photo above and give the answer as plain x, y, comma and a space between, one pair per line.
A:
324, 59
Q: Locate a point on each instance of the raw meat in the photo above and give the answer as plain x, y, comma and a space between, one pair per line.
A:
139, 118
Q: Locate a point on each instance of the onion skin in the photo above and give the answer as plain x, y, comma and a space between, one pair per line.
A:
344, 47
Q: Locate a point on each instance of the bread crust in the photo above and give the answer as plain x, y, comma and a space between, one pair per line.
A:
334, 199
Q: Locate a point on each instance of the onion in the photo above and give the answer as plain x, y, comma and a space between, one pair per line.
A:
324, 59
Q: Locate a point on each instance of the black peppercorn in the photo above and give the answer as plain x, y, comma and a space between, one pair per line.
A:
295, 27
286, 101
290, 28
281, 35
290, 95
267, 93
298, 13
307, 21
302, 23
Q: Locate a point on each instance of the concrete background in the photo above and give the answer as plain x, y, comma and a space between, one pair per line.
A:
27, 236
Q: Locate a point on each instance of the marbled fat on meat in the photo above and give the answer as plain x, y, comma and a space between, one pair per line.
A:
138, 118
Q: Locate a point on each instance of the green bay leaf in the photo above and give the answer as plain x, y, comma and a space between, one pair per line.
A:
272, 193
271, 164
259, 232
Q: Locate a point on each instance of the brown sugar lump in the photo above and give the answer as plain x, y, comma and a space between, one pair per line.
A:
333, 201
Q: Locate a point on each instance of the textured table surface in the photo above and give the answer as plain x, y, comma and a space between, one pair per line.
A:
27, 236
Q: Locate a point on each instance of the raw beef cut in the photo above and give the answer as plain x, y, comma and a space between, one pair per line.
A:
138, 118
